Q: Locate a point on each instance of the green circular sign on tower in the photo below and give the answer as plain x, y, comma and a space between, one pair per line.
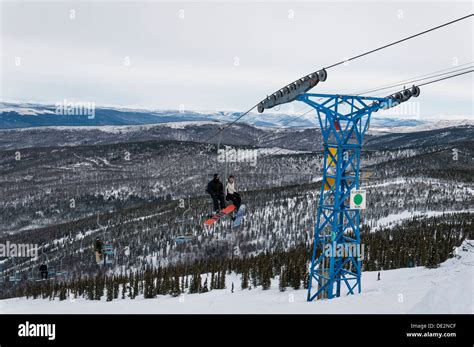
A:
358, 199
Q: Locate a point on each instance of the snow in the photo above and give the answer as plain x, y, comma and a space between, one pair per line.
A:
446, 289
277, 151
429, 124
119, 129
26, 111
385, 184
404, 180
397, 218
184, 124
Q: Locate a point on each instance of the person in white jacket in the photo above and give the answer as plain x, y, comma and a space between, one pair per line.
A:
232, 193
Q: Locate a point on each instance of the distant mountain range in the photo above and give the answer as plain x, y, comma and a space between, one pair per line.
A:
240, 134
27, 115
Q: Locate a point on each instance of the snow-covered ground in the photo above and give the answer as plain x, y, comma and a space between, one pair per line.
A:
447, 289
398, 218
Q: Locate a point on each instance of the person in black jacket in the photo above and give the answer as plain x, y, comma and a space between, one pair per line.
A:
215, 189
99, 250
43, 271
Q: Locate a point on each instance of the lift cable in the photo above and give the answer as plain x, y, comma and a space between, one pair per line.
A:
339, 63
426, 81
423, 84
428, 76
415, 80
409, 80
228, 125
444, 78
347, 60
399, 41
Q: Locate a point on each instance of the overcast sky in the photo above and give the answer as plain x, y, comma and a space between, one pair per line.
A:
227, 55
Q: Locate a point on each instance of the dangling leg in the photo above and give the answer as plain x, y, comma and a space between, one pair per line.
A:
237, 201
215, 201
222, 201
232, 197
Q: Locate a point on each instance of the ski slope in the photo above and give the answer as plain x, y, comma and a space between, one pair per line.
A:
447, 289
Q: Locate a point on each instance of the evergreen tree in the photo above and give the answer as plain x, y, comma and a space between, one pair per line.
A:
204, 288
222, 280
124, 288
245, 279
109, 290
116, 285
282, 283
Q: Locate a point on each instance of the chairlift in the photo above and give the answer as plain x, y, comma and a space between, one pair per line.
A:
58, 272
15, 277
184, 238
108, 250
185, 225
109, 254
32, 274
35, 278
51, 271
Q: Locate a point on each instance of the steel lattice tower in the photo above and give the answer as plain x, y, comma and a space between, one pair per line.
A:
343, 119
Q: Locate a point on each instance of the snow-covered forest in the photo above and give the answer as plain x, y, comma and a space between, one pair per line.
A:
140, 197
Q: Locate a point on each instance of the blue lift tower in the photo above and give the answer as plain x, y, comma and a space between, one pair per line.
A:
343, 119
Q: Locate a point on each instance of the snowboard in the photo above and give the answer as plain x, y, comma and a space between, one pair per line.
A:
219, 215
239, 216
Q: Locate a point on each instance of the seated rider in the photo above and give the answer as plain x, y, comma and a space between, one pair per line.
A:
232, 194
215, 189
43, 271
99, 249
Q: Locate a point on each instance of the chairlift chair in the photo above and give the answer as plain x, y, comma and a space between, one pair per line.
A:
52, 272
184, 238
32, 275
107, 249
185, 225
15, 278
109, 254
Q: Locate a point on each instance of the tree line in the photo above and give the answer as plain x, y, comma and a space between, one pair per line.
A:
416, 242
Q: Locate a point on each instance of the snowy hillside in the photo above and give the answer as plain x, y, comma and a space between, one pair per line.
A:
446, 289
